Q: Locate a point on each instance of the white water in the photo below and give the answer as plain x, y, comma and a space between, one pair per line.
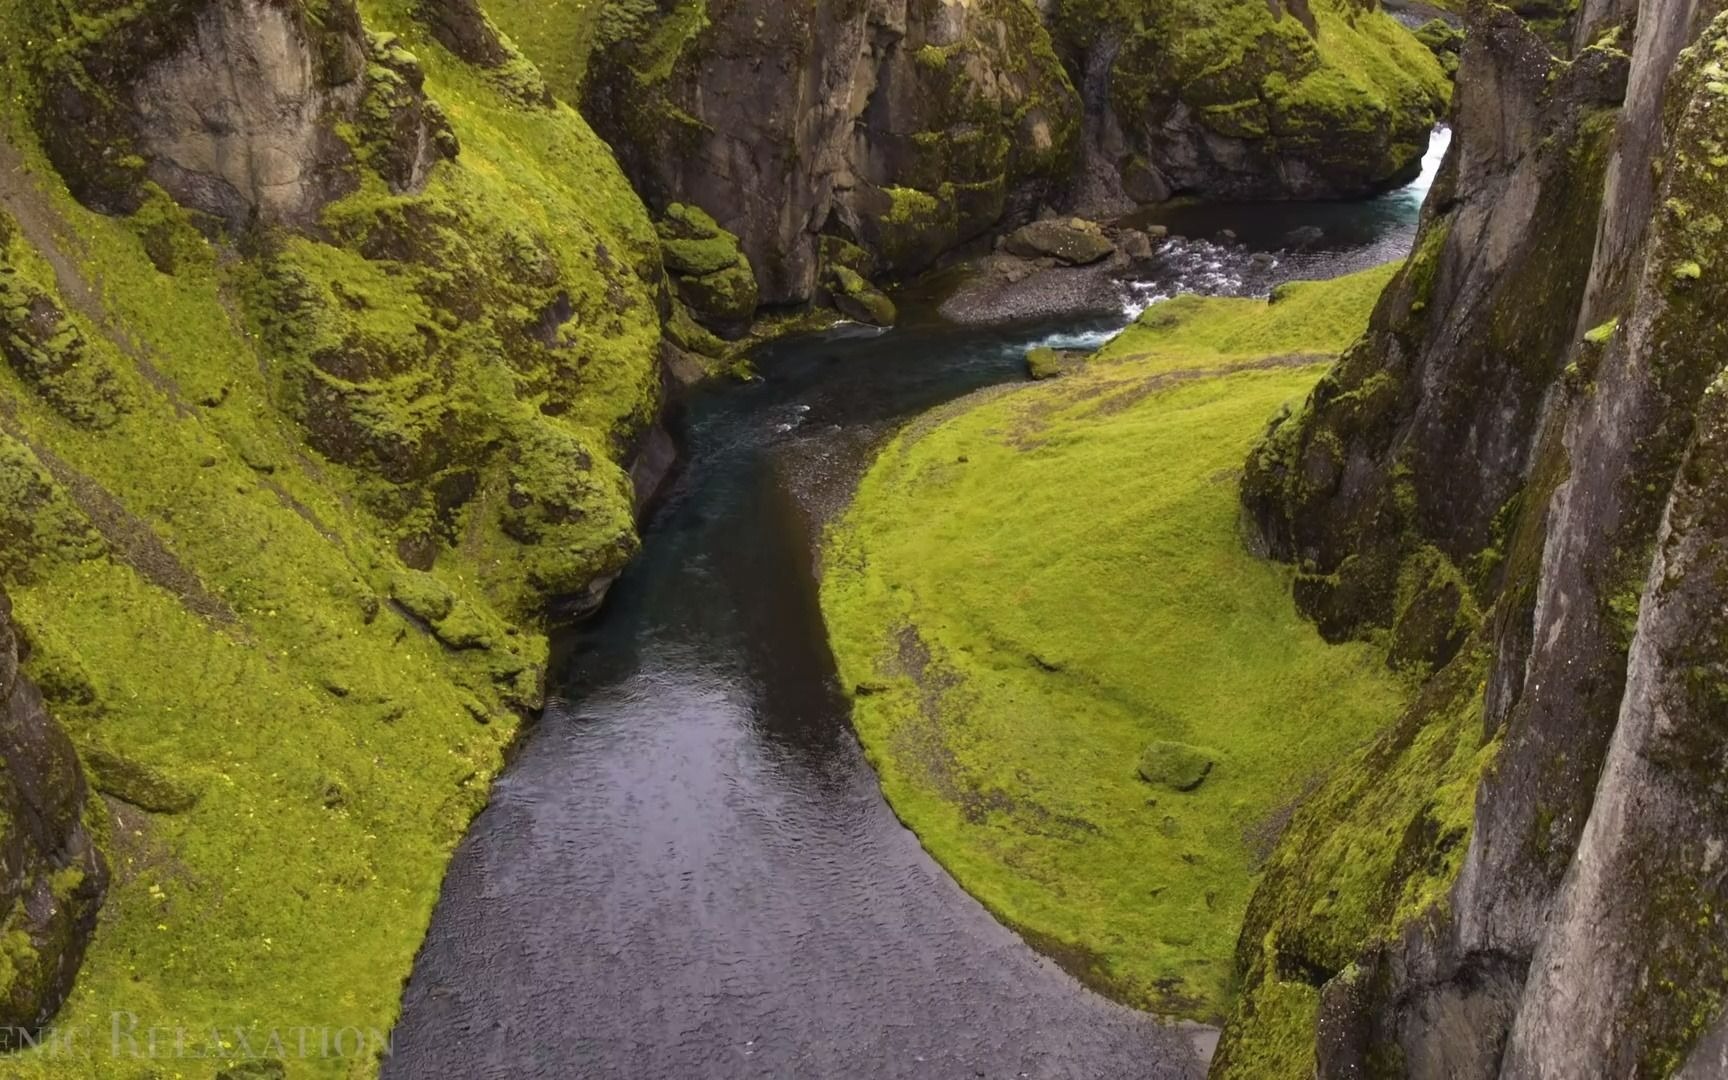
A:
1223, 266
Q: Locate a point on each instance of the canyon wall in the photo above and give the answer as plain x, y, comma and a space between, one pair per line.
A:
1513, 478
907, 128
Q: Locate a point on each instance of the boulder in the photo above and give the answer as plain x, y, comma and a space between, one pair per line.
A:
1176, 766
1045, 362
1068, 240
1135, 244
709, 269
859, 300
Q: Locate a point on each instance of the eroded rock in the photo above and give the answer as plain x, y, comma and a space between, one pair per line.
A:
233, 106
52, 878
1071, 241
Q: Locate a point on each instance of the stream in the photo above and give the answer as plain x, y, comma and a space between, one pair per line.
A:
689, 870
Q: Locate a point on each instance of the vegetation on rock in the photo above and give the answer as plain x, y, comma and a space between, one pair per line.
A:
1519, 854
1250, 99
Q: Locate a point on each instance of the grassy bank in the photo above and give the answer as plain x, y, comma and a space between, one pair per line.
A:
1078, 686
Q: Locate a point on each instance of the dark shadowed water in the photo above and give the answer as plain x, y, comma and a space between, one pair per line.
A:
689, 871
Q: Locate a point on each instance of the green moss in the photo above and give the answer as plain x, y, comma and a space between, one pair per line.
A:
1601, 335
684, 331
1373, 848
1277, 1036
1035, 586
139, 784
1175, 766
691, 242
1301, 319
49, 352
557, 35
421, 595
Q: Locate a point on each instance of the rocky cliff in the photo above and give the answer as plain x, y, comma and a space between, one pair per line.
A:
906, 127
53, 877
331, 362
878, 136
1520, 878
1306, 99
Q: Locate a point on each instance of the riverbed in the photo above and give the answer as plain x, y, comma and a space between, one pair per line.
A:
689, 870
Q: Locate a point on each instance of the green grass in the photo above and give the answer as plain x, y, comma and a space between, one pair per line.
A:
1034, 586
1315, 318
556, 34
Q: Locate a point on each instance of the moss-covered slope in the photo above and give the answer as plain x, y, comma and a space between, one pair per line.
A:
294, 479
1081, 689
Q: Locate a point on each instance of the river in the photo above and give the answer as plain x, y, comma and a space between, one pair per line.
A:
689, 870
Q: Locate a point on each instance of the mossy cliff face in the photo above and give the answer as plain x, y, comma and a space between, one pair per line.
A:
474, 343
53, 877
1249, 99
906, 126
309, 409
1516, 879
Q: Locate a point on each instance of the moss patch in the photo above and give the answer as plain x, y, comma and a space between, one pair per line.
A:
1302, 318
1035, 585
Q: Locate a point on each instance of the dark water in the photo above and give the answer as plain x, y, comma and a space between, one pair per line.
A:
690, 871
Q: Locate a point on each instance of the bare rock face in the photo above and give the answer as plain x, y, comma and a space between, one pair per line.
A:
1515, 205
52, 878
233, 106
234, 121
1545, 901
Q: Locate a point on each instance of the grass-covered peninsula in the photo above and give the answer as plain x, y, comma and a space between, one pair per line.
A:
1090, 699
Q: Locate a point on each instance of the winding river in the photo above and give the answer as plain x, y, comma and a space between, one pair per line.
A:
689, 870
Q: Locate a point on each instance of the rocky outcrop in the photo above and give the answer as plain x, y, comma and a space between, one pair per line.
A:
909, 128
52, 878
233, 108
711, 275
1531, 888
1246, 100
905, 127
